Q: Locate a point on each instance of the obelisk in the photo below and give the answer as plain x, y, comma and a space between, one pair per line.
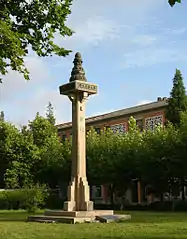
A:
78, 90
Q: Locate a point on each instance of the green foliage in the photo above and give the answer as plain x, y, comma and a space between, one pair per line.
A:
172, 2
177, 103
50, 114
35, 154
31, 198
35, 197
31, 23
2, 116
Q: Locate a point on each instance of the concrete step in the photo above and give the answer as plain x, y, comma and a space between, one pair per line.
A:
58, 219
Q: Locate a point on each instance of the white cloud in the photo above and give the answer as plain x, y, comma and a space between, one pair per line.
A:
14, 83
21, 99
28, 107
153, 55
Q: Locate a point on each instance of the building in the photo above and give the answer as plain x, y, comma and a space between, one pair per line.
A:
147, 117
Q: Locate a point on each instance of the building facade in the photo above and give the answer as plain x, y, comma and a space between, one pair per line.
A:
147, 117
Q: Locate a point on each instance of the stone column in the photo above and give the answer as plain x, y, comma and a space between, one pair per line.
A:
78, 190
78, 91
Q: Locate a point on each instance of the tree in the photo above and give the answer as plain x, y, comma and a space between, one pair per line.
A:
17, 154
50, 114
172, 2
177, 103
9, 136
53, 153
31, 23
2, 116
181, 152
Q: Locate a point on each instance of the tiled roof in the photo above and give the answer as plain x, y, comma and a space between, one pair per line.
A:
118, 113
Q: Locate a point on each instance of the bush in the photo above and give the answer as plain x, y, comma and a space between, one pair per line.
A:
35, 198
180, 206
3, 204
161, 206
29, 199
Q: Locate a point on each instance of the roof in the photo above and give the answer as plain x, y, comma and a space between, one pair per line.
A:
123, 112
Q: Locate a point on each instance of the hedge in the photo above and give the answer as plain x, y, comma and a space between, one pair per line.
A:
34, 198
169, 206
29, 199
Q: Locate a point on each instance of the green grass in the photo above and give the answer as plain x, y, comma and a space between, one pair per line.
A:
142, 225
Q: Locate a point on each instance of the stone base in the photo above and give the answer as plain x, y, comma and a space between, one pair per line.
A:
69, 217
60, 219
69, 206
79, 214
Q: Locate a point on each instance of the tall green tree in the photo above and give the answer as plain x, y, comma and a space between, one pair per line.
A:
50, 114
177, 103
52, 151
31, 23
2, 116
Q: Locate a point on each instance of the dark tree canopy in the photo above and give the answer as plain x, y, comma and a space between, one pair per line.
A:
172, 2
31, 23
177, 102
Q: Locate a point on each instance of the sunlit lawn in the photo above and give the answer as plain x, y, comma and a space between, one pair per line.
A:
142, 225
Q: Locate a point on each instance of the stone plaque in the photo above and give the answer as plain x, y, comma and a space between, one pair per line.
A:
86, 87
112, 218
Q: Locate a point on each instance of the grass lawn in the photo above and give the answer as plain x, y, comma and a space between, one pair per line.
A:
142, 225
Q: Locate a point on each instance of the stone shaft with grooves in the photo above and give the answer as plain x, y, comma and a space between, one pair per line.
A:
78, 91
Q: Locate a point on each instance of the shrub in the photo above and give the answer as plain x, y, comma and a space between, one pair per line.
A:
3, 204
35, 197
161, 206
31, 198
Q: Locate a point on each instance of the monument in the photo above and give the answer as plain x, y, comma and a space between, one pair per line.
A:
78, 207
78, 91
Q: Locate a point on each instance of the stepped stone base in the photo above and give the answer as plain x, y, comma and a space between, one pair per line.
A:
73, 217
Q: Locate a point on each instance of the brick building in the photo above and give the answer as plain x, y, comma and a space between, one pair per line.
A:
147, 116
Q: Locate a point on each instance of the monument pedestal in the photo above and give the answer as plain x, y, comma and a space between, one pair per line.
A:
72, 217
78, 195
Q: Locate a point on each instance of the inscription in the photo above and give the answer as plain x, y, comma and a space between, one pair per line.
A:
85, 86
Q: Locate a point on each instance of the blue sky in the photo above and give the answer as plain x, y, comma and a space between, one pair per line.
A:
129, 48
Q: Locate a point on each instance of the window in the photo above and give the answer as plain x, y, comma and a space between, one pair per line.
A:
118, 128
151, 122
98, 130
64, 137
139, 124
98, 192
